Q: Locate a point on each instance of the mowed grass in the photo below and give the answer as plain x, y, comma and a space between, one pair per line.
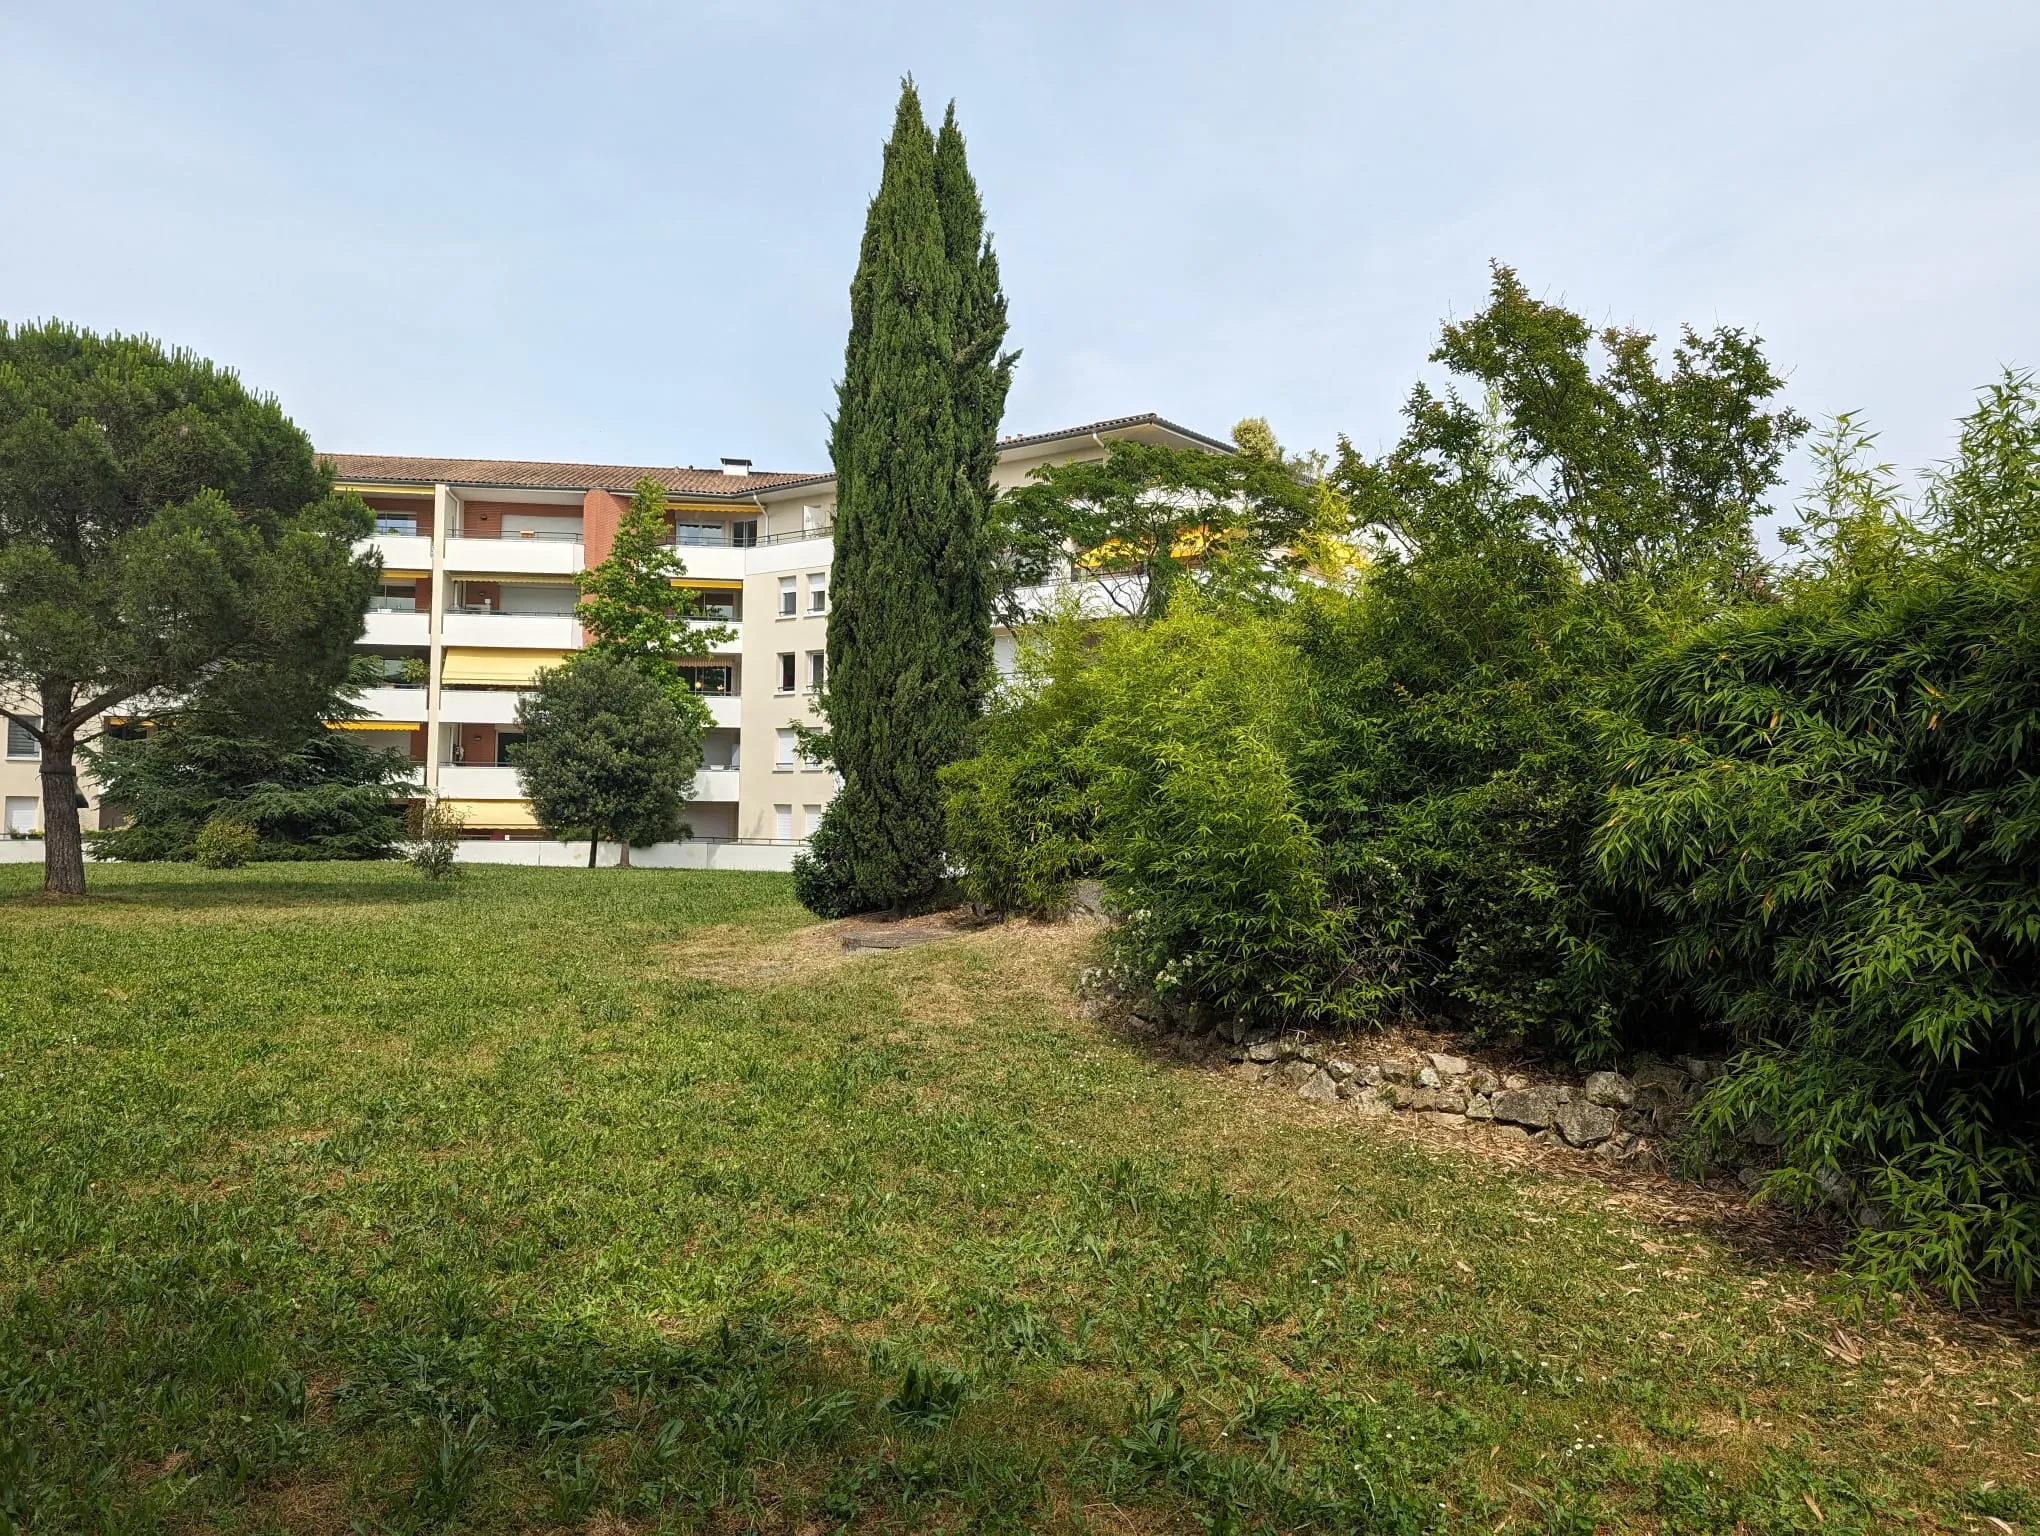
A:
618, 1201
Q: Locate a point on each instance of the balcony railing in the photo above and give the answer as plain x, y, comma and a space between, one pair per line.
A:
561, 536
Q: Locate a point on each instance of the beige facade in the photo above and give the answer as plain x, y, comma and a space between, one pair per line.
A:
21, 797
479, 559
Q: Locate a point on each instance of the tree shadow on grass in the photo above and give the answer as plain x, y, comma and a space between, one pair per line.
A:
175, 888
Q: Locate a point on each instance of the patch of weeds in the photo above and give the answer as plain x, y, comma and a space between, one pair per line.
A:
454, 1454
572, 1485
929, 1395
2000, 1501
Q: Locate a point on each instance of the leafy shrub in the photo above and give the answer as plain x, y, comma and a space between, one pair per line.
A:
1022, 811
223, 843
432, 838
822, 881
1832, 804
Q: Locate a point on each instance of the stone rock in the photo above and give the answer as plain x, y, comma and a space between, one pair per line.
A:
1428, 1077
1514, 1080
1370, 1104
1405, 1096
1447, 1066
1093, 1008
1368, 1072
1761, 1133
1749, 1178
1671, 1123
1319, 1086
1148, 1007
1584, 1124
1533, 1107
1253, 1071
1294, 1074
1263, 1050
1450, 1100
1087, 899
1444, 1119
1611, 1089
1616, 1148
1655, 1072
1397, 1072
1485, 1082
1547, 1138
1480, 1107
1300, 1050
1701, 1069
1340, 1068
1501, 1132
1638, 1122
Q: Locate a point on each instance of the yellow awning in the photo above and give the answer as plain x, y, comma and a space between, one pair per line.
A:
495, 815
409, 575
702, 581
500, 669
374, 725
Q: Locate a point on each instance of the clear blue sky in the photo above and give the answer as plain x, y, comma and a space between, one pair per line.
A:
624, 232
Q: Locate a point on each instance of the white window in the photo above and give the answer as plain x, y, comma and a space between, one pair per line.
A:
810, 519
21, 816
789, 597
789, 752
812, 814
786, 673
745, 534
817, 670
19, 742
782, 823
818, 592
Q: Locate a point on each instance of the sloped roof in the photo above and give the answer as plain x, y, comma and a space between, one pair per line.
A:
525, 474
1116, 424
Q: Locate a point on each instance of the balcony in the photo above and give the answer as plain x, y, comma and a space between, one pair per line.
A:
724, 709
712, 562
399, 551
478, 781
479, 706
729, 647
521, 631
397, 628
715, 784
539, 554
404, 706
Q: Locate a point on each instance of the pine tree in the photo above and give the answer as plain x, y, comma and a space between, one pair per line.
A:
916, 429
257, 746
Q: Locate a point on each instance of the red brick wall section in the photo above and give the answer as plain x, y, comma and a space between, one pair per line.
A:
600, 513
478, 744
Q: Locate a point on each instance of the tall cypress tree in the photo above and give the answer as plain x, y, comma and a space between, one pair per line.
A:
916, 427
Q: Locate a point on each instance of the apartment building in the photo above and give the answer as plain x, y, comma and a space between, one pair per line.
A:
479, 558
477, 597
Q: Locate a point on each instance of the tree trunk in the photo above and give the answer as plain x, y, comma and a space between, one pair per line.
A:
623, 854
594, 843
63, 844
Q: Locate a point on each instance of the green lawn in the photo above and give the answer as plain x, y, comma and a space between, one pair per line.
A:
610, 1201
